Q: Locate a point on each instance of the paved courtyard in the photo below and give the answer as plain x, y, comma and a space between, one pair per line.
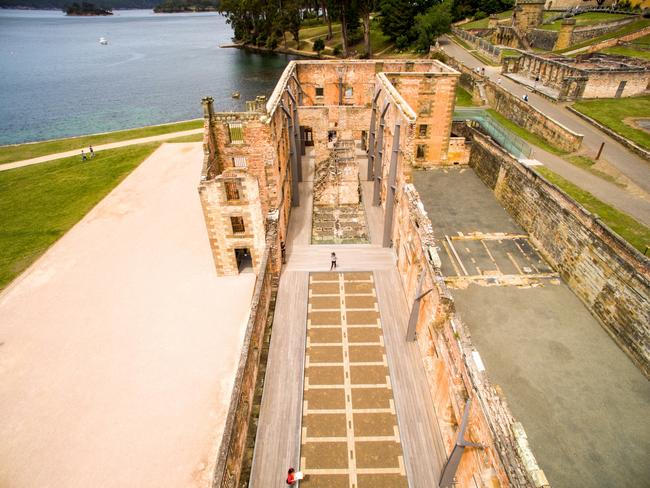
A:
118, 348
583, 403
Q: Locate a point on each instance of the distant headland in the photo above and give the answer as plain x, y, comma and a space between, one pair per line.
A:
175, 6
86, 9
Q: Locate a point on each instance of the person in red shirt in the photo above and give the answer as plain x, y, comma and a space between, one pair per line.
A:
291, 476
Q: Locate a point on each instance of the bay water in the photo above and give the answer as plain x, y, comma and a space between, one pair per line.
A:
57, 80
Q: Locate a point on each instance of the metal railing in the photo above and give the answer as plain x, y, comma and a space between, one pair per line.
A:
478, 42
487, 124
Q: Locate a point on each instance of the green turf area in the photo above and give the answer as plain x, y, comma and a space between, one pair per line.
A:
524, 134
19, 152
611, 112
190, 138
587, 163
625, 226
628, 29
463, 98
40, 203
588, 18
483, 23
509, 52
628, 51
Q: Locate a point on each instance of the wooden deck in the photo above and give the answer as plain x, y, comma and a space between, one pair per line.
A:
279, 429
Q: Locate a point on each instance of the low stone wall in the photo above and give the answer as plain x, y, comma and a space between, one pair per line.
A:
618, 40
542, 38
233, 442
587, 32
515, 109
531, 119
485, 47
644, 153
605, 272
454, 370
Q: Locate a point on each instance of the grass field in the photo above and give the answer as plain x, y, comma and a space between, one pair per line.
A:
483, 23
628, 29
463, 98
588, 18
524, 134
612, 112
638, 48
40, 203
19, 152
625, 226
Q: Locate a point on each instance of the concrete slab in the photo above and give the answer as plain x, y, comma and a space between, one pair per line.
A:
582, 402
118, 348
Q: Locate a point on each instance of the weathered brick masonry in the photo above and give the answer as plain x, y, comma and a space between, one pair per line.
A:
388, 101
605, 272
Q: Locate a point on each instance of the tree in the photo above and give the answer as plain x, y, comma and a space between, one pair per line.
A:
432, 24
398, 18
365, 8
319, 45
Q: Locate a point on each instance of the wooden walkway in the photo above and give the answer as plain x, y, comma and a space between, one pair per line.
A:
279, 428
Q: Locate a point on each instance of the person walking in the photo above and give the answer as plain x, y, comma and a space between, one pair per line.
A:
525, 97
333, 265
83, 155
92, 153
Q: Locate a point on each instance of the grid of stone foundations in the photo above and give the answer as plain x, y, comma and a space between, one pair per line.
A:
350, 437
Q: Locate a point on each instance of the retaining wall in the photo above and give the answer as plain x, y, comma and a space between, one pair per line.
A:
605, 272
542, 38
449, 357
233, 442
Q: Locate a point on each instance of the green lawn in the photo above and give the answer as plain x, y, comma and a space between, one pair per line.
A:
588, 18
463, 98
19, 152
612, 111
483, 23
524, 134
190, 138
628, 51
625, 226
628, 29
39, 203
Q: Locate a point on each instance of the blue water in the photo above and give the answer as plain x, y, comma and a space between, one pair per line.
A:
56, 80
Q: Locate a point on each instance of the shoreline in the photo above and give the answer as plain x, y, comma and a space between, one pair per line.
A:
277, 50
3, 146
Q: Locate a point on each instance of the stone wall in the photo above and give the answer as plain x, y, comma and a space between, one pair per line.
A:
542, 39
605, 272
233, 442
531, 119
450, 360
584, 33
606, 84
618, 40
515, 109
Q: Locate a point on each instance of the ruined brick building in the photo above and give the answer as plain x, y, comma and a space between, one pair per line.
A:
252, 159
353, 135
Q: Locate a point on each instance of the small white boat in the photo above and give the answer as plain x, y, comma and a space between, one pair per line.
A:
235, 94
103, 41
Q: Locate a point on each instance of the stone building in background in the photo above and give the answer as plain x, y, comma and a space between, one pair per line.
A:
253, 159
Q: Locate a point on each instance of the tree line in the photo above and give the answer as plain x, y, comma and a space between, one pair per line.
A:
407, 23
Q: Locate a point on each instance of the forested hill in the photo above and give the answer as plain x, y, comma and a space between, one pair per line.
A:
59, 4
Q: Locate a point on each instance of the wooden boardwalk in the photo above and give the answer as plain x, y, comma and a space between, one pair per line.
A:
279, 428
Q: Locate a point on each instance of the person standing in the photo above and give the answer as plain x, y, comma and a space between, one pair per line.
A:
83, 155
333, 265
92, 153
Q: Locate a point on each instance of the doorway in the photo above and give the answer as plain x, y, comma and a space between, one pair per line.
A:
244, 260
621, 87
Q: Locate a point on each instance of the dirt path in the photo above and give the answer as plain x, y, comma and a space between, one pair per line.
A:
101, 147
119, 346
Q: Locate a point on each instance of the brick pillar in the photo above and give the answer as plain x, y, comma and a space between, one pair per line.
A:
565, 34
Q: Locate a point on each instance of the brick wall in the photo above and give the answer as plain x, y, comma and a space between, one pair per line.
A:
605, 85
531, 119
447, 355
233, 442
607, 274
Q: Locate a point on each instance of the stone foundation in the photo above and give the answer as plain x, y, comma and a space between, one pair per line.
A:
605, 272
